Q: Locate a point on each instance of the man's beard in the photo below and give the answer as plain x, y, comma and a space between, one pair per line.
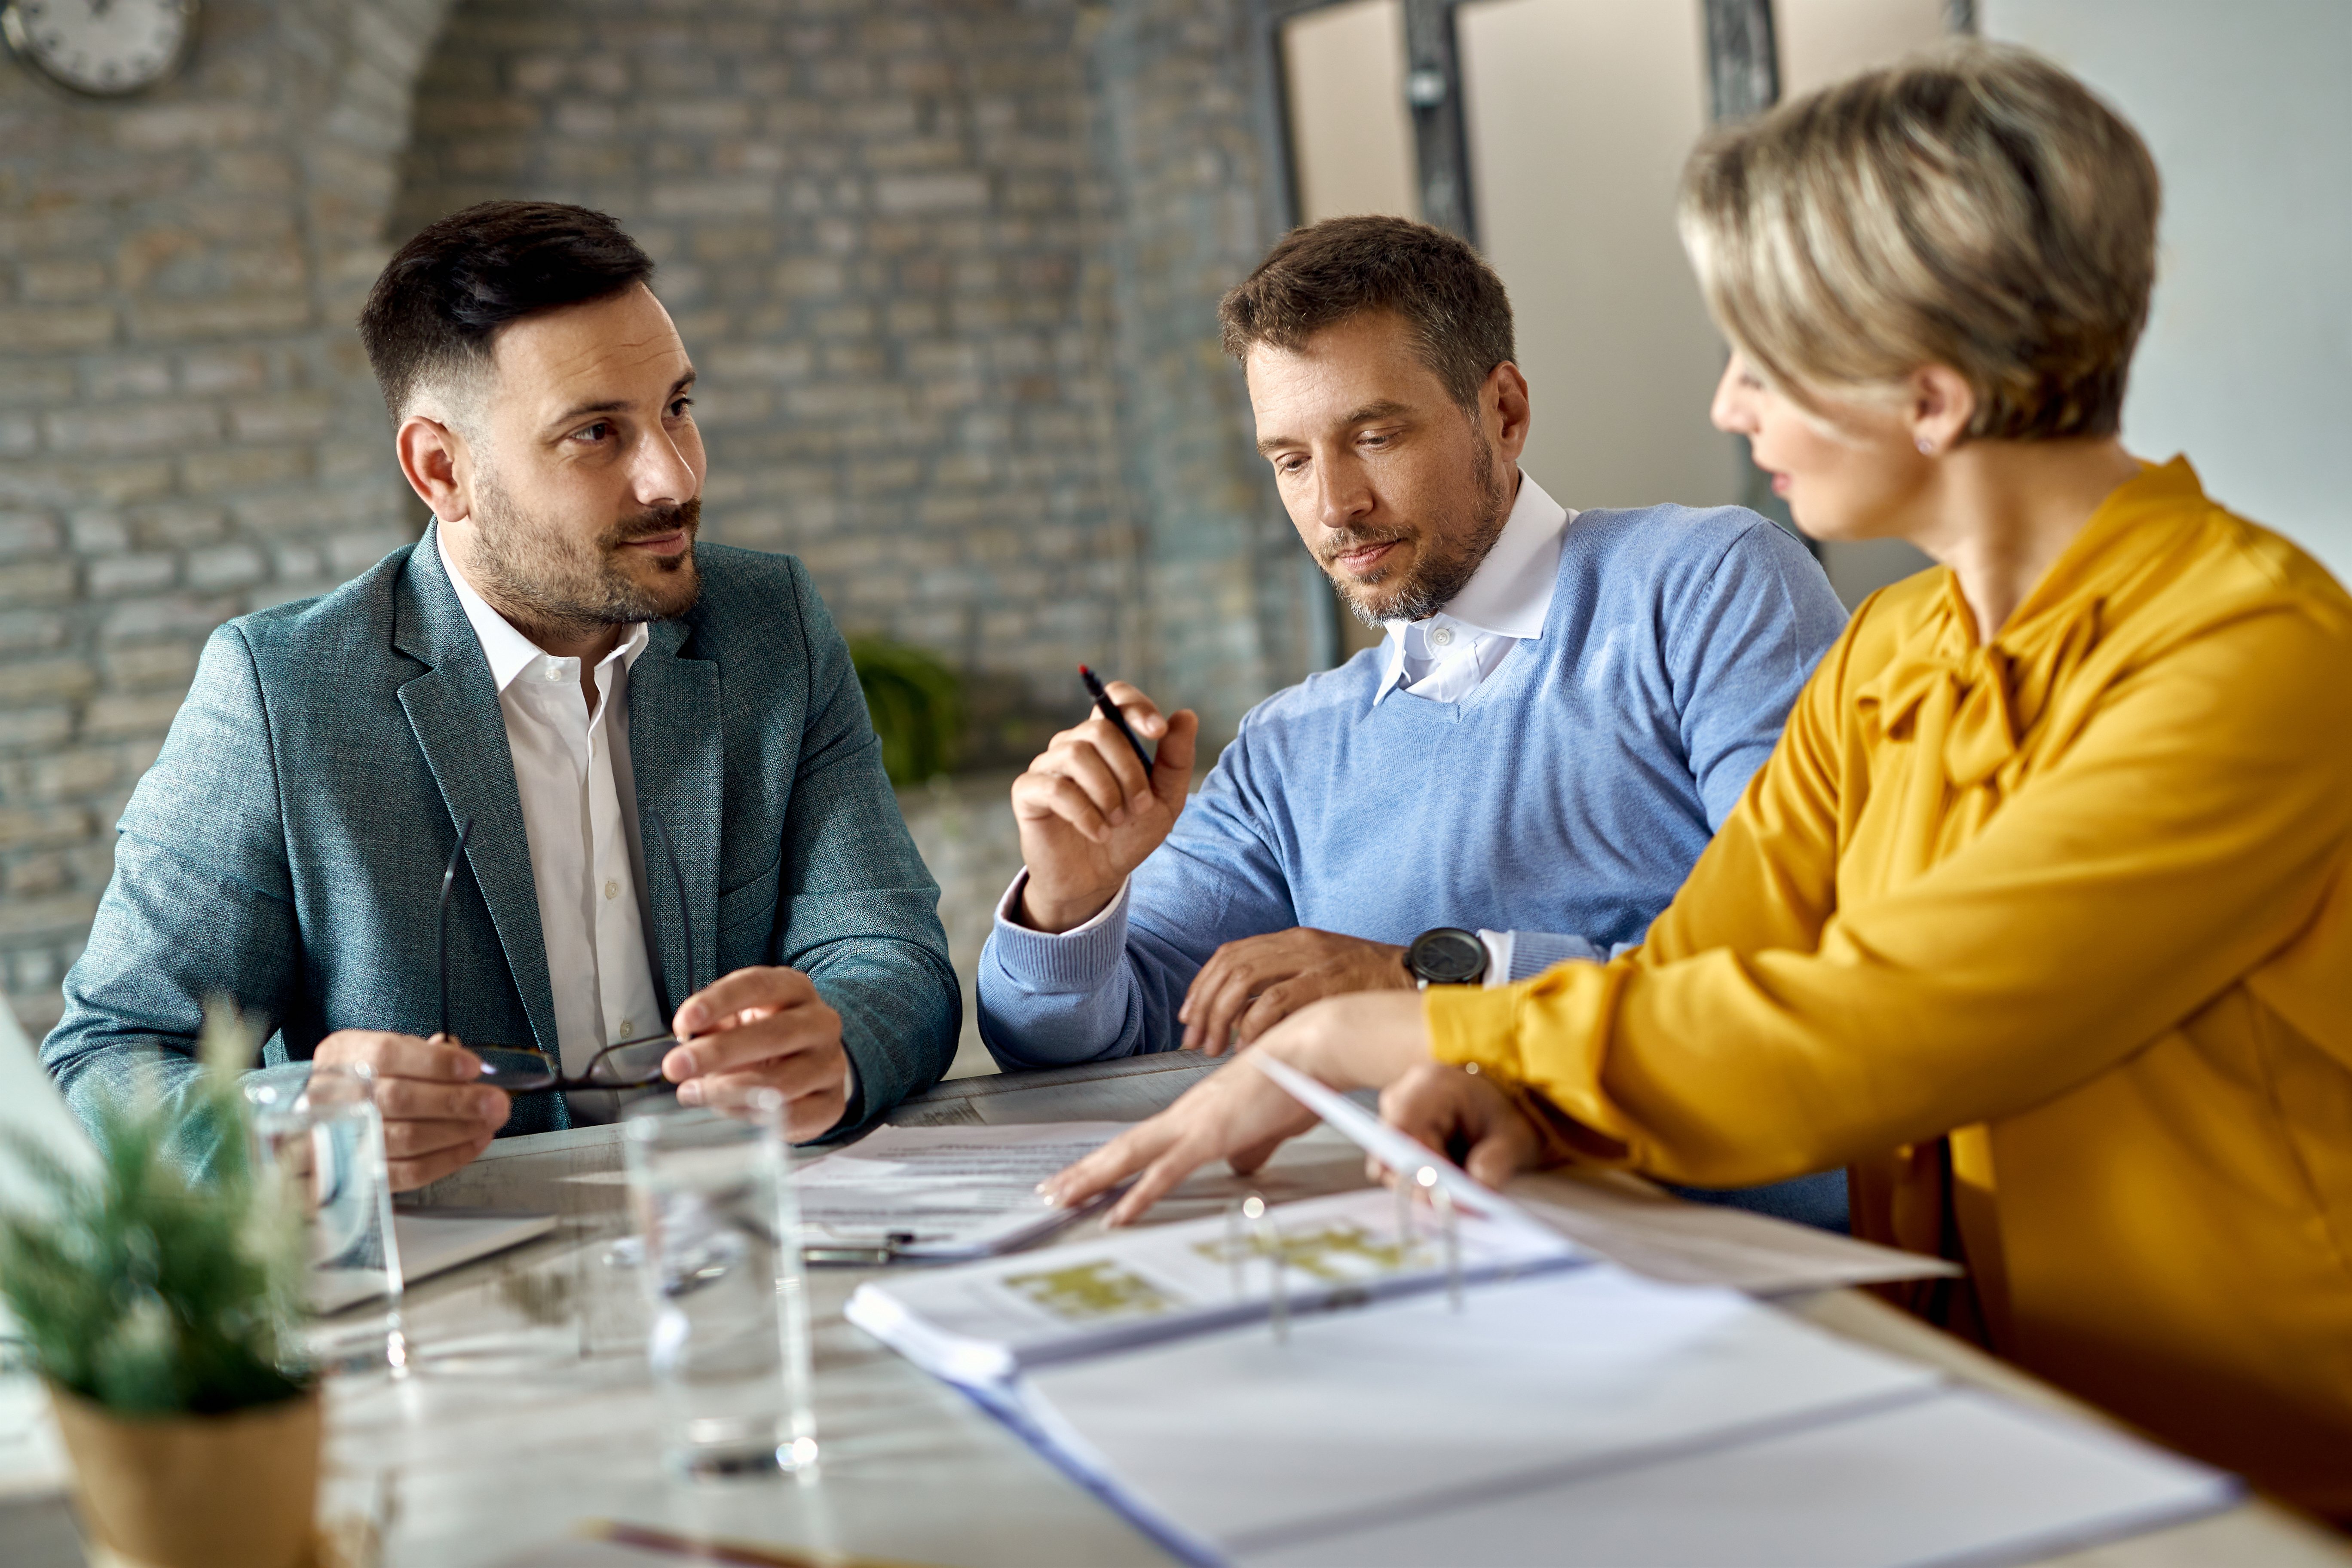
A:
1453, 555
543, 574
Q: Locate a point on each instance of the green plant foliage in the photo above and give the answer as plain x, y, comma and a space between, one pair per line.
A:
917, 706
146, 1289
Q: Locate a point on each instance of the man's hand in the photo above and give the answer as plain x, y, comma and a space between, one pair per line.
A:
1366, 1041
1450, 1108
437, 1113
768, 1028
1089, 811
1250, 985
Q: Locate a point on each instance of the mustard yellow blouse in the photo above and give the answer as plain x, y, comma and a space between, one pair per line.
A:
2049, 940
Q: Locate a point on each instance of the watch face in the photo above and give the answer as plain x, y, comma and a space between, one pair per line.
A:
1448, 956
101, 46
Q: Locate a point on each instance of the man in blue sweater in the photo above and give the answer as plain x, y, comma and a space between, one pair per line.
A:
1566, 706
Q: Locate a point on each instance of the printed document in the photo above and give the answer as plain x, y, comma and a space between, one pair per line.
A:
943, 1193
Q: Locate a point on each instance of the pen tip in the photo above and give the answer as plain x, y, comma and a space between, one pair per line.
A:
1084, 671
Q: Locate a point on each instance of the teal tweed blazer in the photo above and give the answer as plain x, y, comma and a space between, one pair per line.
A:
286, 849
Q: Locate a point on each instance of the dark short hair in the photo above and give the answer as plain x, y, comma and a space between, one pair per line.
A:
443, 297
1317, 277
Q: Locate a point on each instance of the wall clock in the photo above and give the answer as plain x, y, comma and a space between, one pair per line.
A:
103, 48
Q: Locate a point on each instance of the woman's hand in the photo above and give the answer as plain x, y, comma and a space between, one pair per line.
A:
1364, 1041
1446, 1107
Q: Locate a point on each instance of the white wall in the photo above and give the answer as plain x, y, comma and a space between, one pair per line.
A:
1822, 41
1580, 114
1819, 42
1351, 132
2247, 364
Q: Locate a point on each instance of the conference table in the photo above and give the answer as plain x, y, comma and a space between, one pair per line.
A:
525, 1412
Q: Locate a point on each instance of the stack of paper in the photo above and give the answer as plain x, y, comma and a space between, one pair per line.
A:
1581, 1417
942, 1192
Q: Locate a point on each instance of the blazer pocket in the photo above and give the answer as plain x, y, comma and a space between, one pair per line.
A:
755, 899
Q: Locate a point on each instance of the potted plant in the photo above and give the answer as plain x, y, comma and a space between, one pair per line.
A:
154, 1291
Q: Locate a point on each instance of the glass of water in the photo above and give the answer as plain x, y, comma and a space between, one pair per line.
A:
710, 1190
325, 1141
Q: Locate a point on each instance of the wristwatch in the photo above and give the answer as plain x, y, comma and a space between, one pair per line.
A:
1446, 956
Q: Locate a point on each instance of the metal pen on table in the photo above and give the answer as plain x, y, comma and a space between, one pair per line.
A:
1110, 711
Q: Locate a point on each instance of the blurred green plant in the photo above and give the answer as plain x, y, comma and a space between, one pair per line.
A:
146, 1288
917, 705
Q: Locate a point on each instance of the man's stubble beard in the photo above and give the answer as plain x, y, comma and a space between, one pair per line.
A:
1447, 565
549, 577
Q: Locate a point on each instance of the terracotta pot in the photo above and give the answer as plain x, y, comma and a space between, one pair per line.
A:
195, 1492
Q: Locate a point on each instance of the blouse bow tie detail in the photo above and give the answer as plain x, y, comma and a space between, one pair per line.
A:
1972, 703
1956, 704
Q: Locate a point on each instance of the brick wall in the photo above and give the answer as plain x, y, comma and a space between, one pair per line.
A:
1228, 590
876, 228
186, 431
949, 267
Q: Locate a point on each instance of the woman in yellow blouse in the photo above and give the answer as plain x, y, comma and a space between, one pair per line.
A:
2038, 919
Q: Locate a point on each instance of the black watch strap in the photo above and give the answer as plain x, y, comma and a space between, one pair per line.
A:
1447, 955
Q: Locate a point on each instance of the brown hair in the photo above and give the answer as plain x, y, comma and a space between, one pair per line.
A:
1975, 207
1326, 273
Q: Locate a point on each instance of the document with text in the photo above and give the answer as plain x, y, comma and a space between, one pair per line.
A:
939, 1193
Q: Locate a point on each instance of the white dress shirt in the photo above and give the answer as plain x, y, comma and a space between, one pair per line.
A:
580, 815
1448, 656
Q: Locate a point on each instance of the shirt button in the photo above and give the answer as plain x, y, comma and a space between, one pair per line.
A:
1442, 638
612, 890
628, 1028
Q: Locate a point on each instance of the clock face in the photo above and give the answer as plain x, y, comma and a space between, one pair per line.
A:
102, 47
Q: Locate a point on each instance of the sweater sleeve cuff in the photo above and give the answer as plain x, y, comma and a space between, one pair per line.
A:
1076, 962
1533, 952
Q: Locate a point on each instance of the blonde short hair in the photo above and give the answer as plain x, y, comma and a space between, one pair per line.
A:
1975, 207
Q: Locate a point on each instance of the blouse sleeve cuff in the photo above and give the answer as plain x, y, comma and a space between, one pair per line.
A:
1474, 1024
1560, 1016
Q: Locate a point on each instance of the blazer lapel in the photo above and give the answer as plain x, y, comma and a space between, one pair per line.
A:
673, 751
454, 710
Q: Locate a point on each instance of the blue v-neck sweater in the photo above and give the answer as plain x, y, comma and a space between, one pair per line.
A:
1564, 799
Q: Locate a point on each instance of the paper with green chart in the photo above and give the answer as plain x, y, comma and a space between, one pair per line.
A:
985, 1322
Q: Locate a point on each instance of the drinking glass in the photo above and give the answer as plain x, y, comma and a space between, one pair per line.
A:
710, 1190
325, 1141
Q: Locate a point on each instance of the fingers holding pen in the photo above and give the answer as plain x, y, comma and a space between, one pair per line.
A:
1104, 766
1041, 797
1143, 715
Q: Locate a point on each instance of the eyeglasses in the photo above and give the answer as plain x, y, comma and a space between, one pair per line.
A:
526, 1069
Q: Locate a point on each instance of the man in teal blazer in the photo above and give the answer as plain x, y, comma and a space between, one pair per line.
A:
559, 664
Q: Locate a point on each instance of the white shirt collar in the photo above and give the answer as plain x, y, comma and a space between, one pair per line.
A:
509, 652
1510, 594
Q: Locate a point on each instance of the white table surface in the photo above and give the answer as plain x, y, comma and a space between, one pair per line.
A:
527, 1407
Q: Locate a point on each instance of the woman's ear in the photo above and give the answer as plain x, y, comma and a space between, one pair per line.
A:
1941, 404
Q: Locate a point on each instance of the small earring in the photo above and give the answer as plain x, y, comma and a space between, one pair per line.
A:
1927, 448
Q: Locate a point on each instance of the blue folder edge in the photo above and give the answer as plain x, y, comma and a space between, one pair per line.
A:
2226, 1491
1165, 1533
